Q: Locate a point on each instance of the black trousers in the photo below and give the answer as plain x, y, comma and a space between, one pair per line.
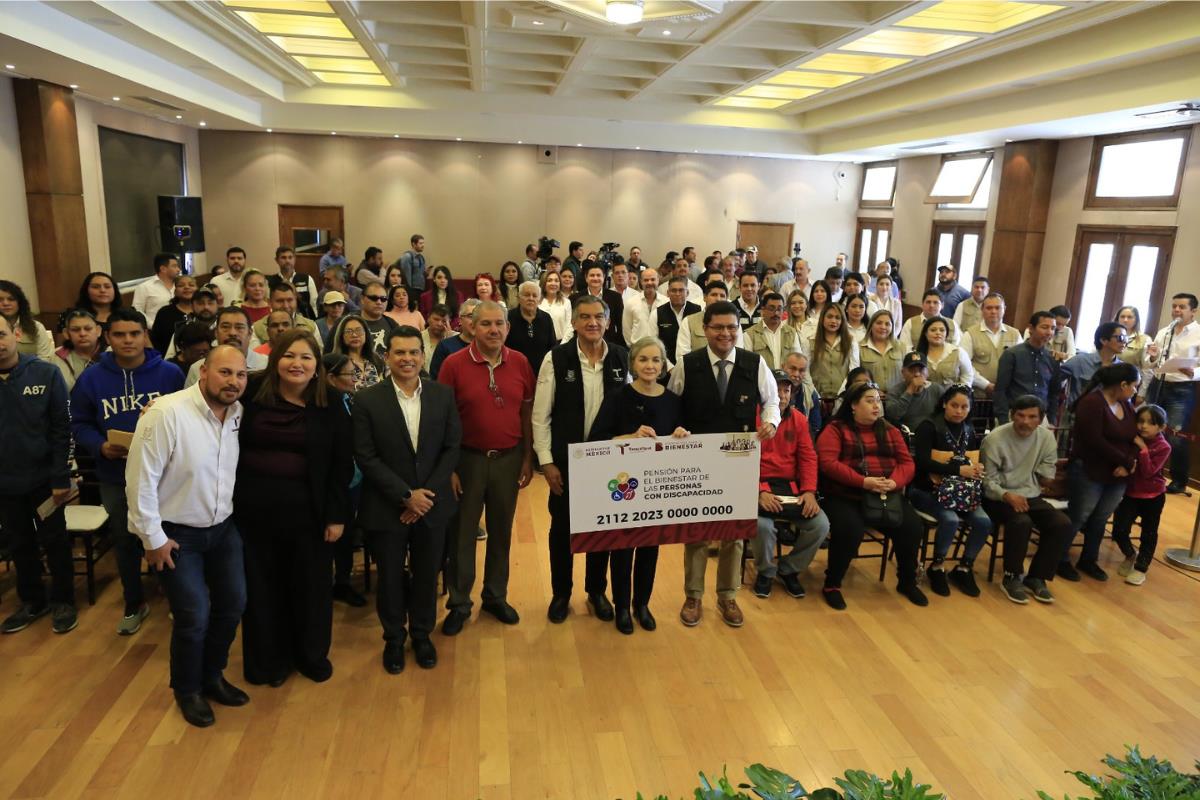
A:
288, 621
636, 566
1150, 510
28, 537
1055, 532
408, 599
846, 531
562, 560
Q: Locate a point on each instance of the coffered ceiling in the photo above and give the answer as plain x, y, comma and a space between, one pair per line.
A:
822, 78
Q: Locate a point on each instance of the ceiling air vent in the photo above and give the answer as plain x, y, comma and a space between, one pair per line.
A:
925, 146
150, 101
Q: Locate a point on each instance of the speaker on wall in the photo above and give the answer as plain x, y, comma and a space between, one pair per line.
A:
180, 224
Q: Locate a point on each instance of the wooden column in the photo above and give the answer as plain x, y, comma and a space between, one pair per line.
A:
53, 191
1021, 213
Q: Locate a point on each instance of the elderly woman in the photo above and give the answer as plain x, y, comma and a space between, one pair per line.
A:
530, 329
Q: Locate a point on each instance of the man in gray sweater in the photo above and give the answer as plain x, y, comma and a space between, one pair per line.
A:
1015, 456
912, 400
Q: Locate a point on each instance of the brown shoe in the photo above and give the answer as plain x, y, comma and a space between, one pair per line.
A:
730, 612
690, 613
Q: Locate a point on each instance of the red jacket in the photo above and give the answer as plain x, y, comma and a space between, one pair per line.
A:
789, 454
1147, 479
839, 457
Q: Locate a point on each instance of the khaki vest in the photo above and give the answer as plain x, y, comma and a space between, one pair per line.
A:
985, 356
947, 371
918, 323
885, 367
829, 375
756, 342
1135, 352
972, 314
695, 331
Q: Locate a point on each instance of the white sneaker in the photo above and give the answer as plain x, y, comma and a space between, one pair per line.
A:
1126, 567
1135, 578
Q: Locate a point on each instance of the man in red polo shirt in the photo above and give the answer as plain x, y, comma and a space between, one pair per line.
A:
493, 387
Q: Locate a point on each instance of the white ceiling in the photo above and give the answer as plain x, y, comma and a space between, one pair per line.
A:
552, 72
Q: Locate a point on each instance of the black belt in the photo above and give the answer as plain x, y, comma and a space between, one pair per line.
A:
491, 454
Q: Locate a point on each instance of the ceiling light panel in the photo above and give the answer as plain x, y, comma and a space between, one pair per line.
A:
296, 25
352, 79
907, 43
821, 80
298, 6
779, 92
977, 17
751, 102
363, 65
846, 62
319, 47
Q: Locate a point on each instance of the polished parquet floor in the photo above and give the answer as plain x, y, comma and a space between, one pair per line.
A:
981, 698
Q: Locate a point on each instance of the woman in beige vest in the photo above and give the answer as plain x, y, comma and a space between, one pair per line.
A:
797, 308
1135, 349
882, 352
833, 352
948, 363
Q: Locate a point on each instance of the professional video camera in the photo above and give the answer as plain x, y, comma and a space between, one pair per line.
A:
606, 253
546, 247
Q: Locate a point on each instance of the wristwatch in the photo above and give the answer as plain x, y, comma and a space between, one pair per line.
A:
407, 496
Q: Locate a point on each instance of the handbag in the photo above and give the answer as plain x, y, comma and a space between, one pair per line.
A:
954, 492
879, 509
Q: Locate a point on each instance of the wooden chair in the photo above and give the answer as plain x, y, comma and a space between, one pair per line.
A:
87, 524
997, 538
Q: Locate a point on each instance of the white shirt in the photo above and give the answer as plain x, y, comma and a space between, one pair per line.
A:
182, 465
694, 293
896, 308
254, 363
792, 286
560, 315
774, 340
151, 295
768, 392
629, 294
411, 408
641, 319
1184, 344
231, 287
543, 400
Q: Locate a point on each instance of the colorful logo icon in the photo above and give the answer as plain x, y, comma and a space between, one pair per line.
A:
623, 487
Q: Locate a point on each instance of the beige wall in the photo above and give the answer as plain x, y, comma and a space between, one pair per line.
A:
480, 204
17, 264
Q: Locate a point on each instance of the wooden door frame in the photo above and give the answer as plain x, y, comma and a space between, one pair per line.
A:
873, 223
309, 261
980, 225
1074, 279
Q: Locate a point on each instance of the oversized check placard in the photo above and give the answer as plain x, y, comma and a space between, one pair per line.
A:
639, 492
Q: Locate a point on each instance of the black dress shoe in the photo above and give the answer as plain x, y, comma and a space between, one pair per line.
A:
344, 593
645, 618
624, 621
502, 611
393, 657
558, 610
275, 683
223, 692
424, 653
601, 607
1092, 570
317, 673
1067, 571
195, 709
453, 624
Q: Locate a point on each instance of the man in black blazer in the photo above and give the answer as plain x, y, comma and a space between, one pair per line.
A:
593, 284
671, 315
406, 440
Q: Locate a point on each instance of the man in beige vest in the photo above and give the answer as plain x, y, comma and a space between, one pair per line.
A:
969, 312
931, 306
984, 342
769, 337
691, 333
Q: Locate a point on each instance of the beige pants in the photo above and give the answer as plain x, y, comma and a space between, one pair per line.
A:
729, 568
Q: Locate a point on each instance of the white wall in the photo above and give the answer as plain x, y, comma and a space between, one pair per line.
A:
17, 264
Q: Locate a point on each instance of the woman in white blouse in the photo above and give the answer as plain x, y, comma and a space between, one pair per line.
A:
886, 300
555, 304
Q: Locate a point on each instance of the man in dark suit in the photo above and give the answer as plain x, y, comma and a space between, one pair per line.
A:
406, 439
593, 284
671, 315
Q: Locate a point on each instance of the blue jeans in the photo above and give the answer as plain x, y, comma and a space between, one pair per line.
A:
126, 543
1089, 506
809, 535
207, 595
1178, 400
948, 522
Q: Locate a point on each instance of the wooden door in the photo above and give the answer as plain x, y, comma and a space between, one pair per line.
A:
773, 239
957, 243
871, 242
308, 230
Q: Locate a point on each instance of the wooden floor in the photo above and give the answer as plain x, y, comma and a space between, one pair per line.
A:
981, 698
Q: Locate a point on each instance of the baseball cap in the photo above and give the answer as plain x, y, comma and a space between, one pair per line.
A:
914, 359
946, 268
333, 297
206, 292
752, 248
781, 376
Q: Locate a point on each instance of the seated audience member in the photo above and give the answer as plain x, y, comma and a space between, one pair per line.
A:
36, 440
1103, 454
437, 329
204, 310
174, 314
1145, 494
1028, 368
642, 408
350, 338
1174, 389
969, 312
859, 454
510, 284
33, 338
691, 332
787, 473
402, 308
854, 377
97, 294
406, 440
855, 308
641, 310
769, 337
291, 503
374, 301
881, 352
941, 449
254, 295
233, 329
931, 308
555, 303
914, 398
334, 280
832, 352
1136, 339
371, 269
107, 400
986, 340
151, 295
1016, 457
530, 330
278, 323
394, 276
182, 473
193, 342
81, 349
452, 344
804, 395
887, 298
333, 308
1109, 341
283, 298
949, 290
1062, 346
947, 362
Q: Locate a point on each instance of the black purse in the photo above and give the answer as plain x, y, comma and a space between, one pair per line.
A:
879, 509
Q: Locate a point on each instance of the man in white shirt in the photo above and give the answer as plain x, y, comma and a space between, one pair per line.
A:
695, 294
987, 340
691, 332
641, 317
151, 295
800, 282
620, 283
1174, 386
179, 485
233, 329
230, 282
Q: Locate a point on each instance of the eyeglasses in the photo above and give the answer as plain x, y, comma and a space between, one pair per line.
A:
378, 298
723, 328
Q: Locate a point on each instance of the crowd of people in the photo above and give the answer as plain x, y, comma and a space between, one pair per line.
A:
248, 433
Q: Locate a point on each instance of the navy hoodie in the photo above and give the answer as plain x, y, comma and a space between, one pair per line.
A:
107, 398
35, 434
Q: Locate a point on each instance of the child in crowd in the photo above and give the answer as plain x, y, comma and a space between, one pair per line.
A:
1144, 495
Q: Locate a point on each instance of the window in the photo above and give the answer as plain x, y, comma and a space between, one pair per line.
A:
1137, 170
957, 243
959, 178
871, 243
879, 185
1117, 267
982, 194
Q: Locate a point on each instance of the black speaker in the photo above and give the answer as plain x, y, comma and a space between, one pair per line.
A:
180, 224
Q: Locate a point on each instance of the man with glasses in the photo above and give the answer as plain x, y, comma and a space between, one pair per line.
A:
1110, 340
805, 397
374, 303
493, 388
233, 329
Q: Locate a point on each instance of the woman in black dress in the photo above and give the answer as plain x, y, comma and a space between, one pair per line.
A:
642, 408
291, 503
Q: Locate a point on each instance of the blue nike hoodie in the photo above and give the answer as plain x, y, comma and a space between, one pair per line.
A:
107, 398
35, 434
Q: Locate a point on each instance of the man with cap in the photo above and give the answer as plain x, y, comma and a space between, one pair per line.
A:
948, 289
333, 306
205, 305
913, 399
787, 495
752, 264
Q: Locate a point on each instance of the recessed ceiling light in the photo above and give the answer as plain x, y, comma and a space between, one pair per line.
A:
519, 141
203, 123
695, 151
458, 138
666, 33
579, 144
637, 147
10, 66
270, 130
395, 136
179, 116
116, 99
538, 22
74, 85
333, 133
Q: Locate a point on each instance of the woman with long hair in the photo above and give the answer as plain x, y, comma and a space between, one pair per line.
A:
882, 352
254, 295
83, 345
393, 277
819, 295
1134, 353
832, 352
402, 307
860, 454
98, 296
948, 363
797, 308
555, 303
887, 299
35, 339
855, 307
567, 278
173, 315
350, 338
510, 284
291, 504
441, 292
